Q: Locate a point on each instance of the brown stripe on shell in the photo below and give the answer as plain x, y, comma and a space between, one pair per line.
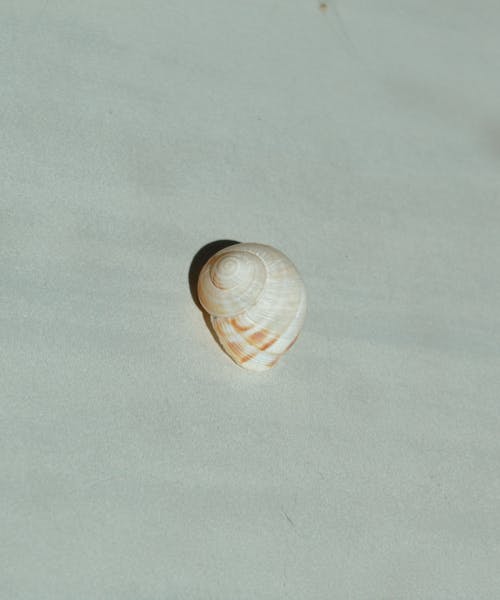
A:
262, 339
236, 352
232, 348
247, 357
291, 344
234, 322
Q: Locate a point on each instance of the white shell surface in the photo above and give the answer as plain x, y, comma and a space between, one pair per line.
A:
256, 300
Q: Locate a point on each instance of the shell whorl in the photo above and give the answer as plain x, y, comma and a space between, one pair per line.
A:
231, 282
256, 301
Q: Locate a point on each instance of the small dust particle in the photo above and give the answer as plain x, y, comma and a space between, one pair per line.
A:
323, 7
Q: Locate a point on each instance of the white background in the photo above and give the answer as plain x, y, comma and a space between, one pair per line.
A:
137, 462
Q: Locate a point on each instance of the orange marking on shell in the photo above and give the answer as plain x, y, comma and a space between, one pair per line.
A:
236, 350
246, 357
269, 343
237, 326
262, 339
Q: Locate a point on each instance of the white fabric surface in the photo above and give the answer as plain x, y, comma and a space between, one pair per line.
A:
362, 139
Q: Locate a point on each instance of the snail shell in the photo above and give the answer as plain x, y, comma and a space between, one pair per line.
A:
256, 301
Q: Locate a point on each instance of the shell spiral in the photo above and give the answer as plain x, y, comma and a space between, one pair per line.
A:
257, 303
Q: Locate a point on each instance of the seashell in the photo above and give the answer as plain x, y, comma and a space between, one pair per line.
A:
256, 301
